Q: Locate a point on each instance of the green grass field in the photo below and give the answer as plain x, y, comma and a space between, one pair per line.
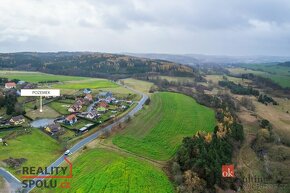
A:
59, 107
158, 130
79, 124
279, 74
67, 82
139, 85
89, 83
38, 148
110, 172
37, 76
47, 113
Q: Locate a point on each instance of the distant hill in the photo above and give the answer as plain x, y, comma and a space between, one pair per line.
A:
286, 64
91, 64
182, 59
196, 59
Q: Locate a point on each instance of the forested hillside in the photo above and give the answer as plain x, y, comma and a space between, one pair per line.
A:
91, 64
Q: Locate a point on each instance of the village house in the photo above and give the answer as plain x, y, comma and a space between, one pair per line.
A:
92, 115
87, 91
9, 85
28, 86
80, 101
103, 104
76, 107
71, 119
18, 120
110, 99
53, 128
104, 95
20, 82
88, 97
124, 107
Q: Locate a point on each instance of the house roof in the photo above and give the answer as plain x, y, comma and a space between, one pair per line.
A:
17, 118
10, 84
20, 82
89, 96
71, 117
87, 90
103, 104
54, 127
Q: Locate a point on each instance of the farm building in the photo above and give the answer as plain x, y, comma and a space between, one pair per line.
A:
18, 120
71, 119
10, 85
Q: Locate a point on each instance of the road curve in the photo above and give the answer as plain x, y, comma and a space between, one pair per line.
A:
95, 135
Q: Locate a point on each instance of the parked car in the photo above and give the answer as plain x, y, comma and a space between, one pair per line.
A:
67, 152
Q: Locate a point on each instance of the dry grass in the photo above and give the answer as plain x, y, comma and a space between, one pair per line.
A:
216, 78
278, 118
47, 113
142, 86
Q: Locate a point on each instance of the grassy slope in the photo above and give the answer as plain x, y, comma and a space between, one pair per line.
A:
158, 131
279, 74
109, 172
89, 83
37, 76
61, 108
38, 148
47, 113
139, 85
69, 82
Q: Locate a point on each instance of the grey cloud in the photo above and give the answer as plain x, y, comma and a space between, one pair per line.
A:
184, 26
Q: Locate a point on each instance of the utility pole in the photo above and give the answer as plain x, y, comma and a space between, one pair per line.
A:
40, 109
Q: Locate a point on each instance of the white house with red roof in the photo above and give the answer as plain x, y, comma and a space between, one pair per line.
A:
10, 85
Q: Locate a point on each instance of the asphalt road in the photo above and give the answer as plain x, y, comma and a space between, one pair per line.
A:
95, 135
12, 180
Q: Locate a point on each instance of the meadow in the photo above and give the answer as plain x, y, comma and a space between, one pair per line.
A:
158, 130
47, 113
216, 78
59, 107
278, 74
140, 85
65, 82
92, 83
114, 173
38, 148
37, 76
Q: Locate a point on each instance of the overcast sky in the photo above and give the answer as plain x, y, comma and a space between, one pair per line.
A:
228, 27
